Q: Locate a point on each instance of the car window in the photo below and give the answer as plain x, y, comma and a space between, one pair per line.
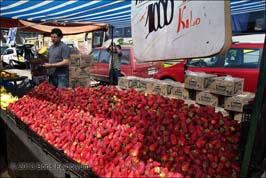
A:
3, 49
9, 51
95, 55
242, 58
251, 58
234, 58
104, 56
125, 59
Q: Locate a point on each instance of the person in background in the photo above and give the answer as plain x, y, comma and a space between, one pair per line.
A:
58, 55
115, 55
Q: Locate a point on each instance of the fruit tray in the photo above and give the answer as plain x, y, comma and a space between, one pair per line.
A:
12, 117
58, 155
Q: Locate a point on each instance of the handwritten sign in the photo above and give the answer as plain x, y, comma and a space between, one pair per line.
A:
169, 29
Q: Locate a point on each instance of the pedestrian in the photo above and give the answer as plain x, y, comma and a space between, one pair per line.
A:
115, 55
58, 55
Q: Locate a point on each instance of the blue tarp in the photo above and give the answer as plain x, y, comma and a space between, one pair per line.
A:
113, 12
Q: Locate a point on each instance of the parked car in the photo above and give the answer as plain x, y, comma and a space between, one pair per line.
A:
3, 48
17, 55
241, 60
129, 65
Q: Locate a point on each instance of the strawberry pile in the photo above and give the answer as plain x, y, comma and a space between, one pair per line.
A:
131, 134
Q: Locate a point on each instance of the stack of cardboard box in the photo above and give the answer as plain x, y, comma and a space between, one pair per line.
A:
224, 93
79, 70
197, 83
148, 85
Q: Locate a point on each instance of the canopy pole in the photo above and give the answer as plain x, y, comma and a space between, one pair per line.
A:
112, 54
256, 115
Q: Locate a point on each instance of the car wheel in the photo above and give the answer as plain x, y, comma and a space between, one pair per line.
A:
11, 64
169, 79
4, 64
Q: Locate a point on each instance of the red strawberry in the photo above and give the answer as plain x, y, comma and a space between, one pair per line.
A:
185, 167
173, 139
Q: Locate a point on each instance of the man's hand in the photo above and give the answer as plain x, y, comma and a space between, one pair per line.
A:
47, 65
63, 63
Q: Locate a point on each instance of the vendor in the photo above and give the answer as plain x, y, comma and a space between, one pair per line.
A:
58, 55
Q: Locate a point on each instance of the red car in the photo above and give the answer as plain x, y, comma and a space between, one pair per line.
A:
241, 60
129, 65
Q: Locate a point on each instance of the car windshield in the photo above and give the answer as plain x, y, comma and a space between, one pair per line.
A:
3, 48
235, 57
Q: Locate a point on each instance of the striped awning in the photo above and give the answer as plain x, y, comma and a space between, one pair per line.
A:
114, 12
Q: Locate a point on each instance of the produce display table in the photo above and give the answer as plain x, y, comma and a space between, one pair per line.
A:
15, 79
30, 156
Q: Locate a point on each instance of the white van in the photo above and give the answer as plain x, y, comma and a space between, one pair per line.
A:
17, 55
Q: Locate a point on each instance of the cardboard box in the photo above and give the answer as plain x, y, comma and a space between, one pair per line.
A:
206, 98
171, 85
36, 66
237, 102
222, 111
80, 61
81, 82
145, 84
74, 60
198, 81
157, 87
226, 86
128, 82
177, 90
78, 73
39, 60
181, 93
86, 61
189, 102
39, 71
238, 117
39, 79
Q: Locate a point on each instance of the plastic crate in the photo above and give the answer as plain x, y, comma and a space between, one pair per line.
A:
244, 129
20, 124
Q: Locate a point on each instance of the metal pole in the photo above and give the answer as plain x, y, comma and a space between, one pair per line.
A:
256, 114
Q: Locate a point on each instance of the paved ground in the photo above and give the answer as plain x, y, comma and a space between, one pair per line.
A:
21, 72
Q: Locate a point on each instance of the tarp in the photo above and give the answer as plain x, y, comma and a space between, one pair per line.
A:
67, 28
114, 12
